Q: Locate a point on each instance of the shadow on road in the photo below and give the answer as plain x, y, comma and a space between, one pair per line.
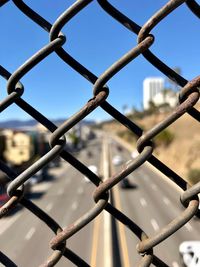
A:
49, 178
129, 186
35, 195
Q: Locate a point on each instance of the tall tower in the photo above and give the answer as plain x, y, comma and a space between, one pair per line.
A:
151, 86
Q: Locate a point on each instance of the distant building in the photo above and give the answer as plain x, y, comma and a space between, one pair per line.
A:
151, 87
18, 147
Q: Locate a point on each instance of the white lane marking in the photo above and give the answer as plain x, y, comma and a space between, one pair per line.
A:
166, 200
49, 207
74, 205
5, 223
155, 224
80, 190
175, 264
154, 187
30, 233
143, 202
106, 216
189, 227
61, 191
107, 242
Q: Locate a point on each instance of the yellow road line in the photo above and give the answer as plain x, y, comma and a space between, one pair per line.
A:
95, 242
106, 216
121, 227
122, 234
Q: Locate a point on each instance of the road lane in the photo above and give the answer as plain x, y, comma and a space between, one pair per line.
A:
65, 198
152, 203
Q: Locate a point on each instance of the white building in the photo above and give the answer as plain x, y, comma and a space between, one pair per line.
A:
151, 87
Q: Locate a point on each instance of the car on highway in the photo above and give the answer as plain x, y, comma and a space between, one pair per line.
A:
125, 183
119, 148
190, 253
3, 196
39, 176
117, 160
134, 154
89, 154
94, 169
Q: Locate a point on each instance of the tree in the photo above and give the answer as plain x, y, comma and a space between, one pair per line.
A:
152, 105
124, 108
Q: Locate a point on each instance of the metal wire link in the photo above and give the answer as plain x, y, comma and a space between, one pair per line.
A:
188, 97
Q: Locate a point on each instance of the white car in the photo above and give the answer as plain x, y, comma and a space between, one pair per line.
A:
134, 154
190, 253
94, 169
117, 160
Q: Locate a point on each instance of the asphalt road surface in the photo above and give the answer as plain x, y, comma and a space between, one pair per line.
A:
65, 196
151, 203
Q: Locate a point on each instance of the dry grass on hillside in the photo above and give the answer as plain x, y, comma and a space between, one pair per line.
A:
184, 151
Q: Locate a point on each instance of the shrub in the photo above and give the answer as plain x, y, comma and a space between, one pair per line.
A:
127, 136
193, 176
164, 138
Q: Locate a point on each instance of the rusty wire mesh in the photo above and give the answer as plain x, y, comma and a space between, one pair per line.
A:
188, 96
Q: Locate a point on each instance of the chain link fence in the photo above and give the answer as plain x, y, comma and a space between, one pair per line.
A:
188, 97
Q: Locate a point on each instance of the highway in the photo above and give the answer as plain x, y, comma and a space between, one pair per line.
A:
65, 196
151, 203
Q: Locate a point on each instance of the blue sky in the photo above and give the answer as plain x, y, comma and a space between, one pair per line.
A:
96, 41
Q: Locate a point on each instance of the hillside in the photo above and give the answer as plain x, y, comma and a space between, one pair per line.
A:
182, 154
